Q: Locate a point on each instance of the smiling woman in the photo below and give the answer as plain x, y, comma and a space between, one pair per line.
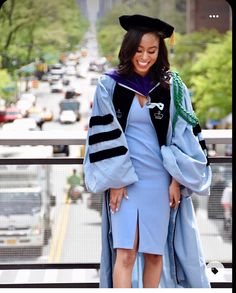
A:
147, 168
146, 54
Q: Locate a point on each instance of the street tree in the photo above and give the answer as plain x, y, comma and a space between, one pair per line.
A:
211, 79
28, 27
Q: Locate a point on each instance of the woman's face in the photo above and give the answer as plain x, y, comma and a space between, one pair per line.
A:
146, 54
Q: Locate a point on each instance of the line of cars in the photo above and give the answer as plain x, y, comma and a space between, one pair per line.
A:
24, 114
59, 75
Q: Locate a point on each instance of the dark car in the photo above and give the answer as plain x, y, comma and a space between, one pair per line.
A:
61, 149
72, 93
71, 104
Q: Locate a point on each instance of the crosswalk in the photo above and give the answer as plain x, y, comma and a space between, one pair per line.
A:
70, 276
47, 276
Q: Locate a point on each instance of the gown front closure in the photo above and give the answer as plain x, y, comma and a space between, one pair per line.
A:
148, 204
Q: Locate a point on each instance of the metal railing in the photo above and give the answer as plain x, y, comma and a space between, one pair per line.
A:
79, 138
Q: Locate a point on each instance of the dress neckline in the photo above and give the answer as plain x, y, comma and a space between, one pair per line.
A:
136, 97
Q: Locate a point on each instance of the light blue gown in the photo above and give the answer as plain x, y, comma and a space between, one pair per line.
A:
148, 203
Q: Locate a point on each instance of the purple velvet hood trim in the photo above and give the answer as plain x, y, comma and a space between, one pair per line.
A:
137, 83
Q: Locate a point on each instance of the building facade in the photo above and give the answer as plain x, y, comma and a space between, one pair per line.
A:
210, 14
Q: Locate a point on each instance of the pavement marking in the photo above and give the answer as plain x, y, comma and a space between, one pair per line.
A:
62, 233
22, 276
57, 237
50, 276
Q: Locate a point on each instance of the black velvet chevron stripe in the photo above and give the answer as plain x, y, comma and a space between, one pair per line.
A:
100, 120
196, 129
107, 154
104, 136
203, 144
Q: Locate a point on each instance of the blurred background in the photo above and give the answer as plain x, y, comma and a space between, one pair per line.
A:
52, 54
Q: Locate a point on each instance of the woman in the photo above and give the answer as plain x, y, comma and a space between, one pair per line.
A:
128, 151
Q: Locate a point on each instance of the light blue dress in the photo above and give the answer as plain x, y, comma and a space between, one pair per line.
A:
148, 203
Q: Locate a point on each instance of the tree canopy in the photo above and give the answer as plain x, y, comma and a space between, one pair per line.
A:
31, 28
211, 79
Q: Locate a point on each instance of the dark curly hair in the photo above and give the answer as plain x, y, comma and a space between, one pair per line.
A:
159, 70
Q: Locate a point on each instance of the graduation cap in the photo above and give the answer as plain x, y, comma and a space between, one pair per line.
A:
141, 21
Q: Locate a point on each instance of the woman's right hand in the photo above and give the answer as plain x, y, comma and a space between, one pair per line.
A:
116, 195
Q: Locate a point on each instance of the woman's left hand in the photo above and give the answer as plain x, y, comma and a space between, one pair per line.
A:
174, 191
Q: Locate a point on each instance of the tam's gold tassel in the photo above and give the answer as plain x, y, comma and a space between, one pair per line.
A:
172, 40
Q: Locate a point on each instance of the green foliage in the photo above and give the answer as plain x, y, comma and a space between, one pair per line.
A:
5, 83
28, 28
109, 44
186, 49
211, 80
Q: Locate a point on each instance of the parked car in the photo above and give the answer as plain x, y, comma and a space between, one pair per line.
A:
67, 116
10, 114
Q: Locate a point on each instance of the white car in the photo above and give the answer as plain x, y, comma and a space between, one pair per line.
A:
57, 69
28, 97
24, 105
67, 116
70, 70
57, 87
54, 78
21, 124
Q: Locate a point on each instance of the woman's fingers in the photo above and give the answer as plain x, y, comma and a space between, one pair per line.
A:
116, 196
174, 195
118, 202
175, 202
112, 202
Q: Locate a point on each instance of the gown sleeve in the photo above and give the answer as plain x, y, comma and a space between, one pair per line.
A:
185, 155
107, 162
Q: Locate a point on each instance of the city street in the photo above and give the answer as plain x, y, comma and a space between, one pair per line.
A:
76, 229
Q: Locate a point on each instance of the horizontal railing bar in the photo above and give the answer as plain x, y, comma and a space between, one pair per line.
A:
43, 137
221, 159
48, 266
53, 137
68, 161
221, 285
38, 266
40, 161
87, 285
51, 285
